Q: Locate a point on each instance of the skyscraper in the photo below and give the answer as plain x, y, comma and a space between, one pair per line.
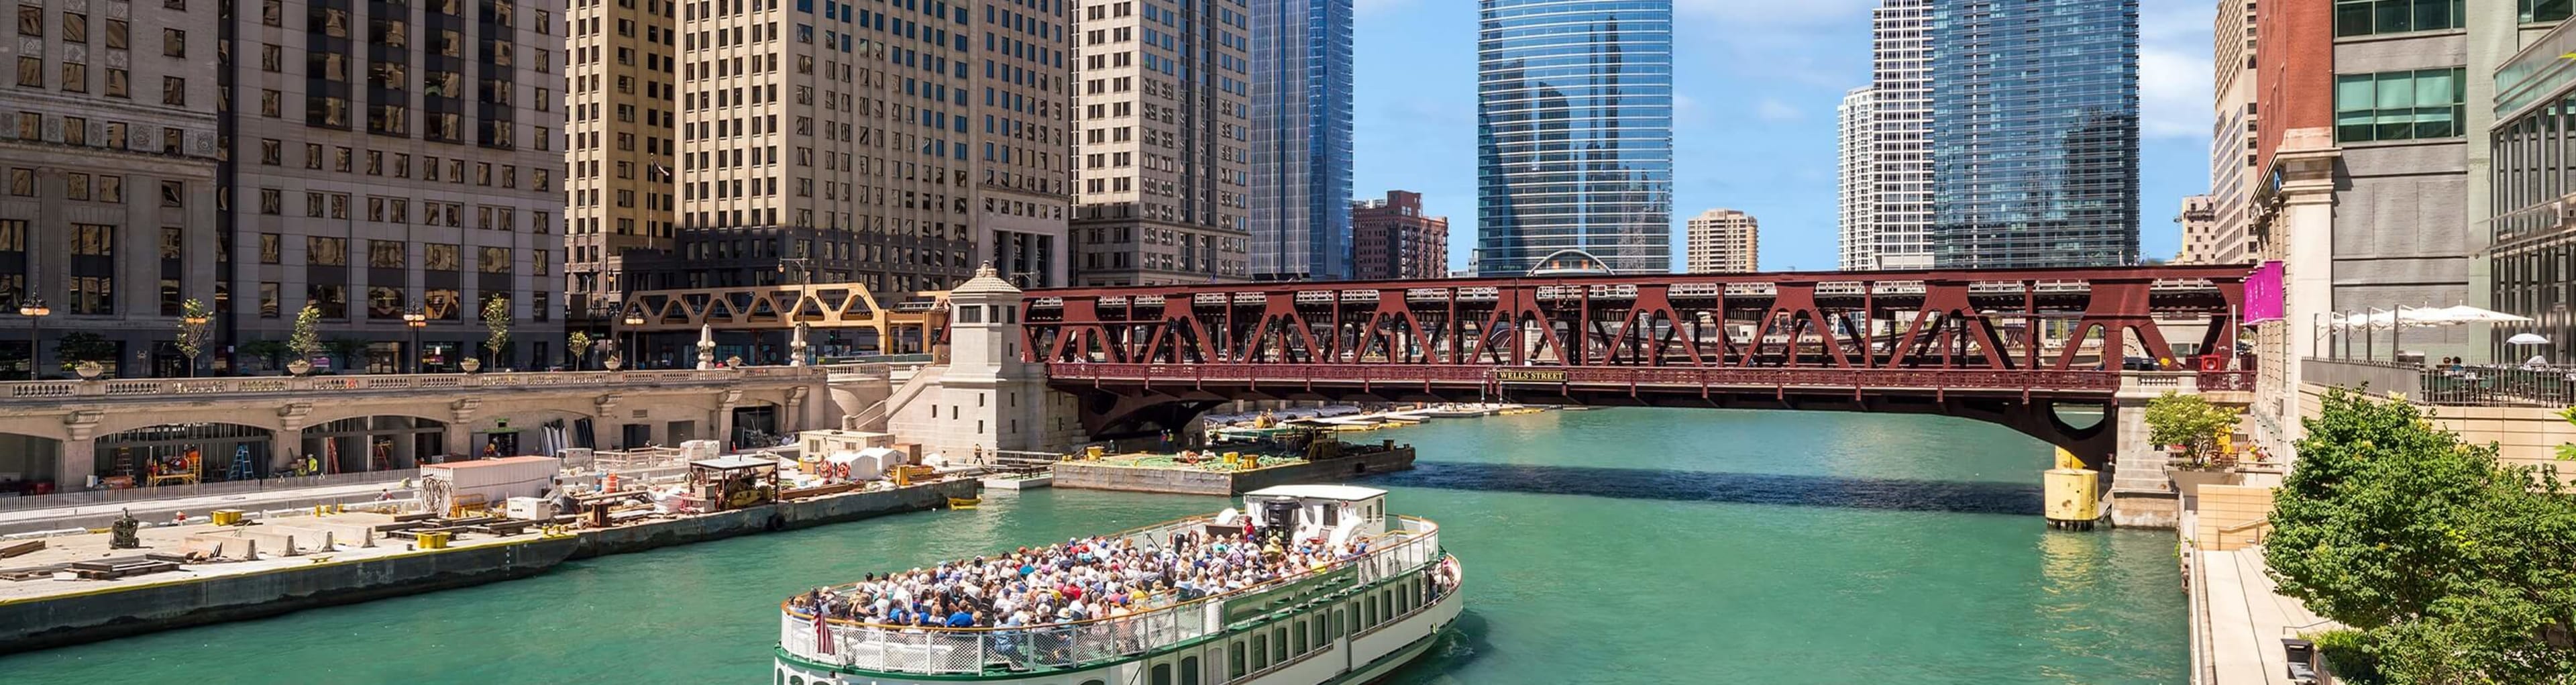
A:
1723, 241
1901, 105
2233, 180
1856, 179
1301, 139
2033, 132
1392, 238
1161, 108
1574, 133
621, 84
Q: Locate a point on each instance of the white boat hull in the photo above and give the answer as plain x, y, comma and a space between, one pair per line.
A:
1350, 660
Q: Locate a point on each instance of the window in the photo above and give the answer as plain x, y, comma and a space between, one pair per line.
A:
2400, 105
111, 188
272, 201
93, 294
116, 34
76, 186
22, 182
384, 303
438, 257
2366, 17
326, 251
31, 71
493, 260
116, 83
174, 43
2536, 11
331, 298
75, 131
440, 303
385, 254
268, 247
93, 240
75, 77
174, 91
268, 300
174, 194
75, 27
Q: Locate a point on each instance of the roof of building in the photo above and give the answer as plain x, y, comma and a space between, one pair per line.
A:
1345, 493
985, 282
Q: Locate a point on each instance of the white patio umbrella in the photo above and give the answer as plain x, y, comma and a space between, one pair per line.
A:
2526, 339
2467, 314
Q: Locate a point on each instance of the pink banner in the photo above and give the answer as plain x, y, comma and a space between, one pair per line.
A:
2263, 297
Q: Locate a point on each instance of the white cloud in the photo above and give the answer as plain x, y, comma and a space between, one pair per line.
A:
2174, 69
1773, 109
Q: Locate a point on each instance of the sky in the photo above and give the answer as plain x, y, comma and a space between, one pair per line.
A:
1755, 86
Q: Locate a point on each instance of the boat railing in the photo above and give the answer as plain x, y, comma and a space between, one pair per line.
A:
1409, 547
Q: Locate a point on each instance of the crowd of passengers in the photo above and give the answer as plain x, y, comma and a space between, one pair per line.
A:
1076, 580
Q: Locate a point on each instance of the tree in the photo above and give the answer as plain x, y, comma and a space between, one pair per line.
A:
194, 317
346, 350
83, 346
2190, 421
307, 339
2567, 451
496, 320
267, 350
578, 344
2455, 567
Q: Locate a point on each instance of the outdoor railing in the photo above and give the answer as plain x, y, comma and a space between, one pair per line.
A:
1594, 376
56, 390
233, 487
1410, 545
2483, 385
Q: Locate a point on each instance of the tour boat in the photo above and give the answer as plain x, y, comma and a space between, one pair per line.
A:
1376, 592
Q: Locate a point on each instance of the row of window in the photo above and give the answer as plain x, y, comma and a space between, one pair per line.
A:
272, 152
2401, 105
93, 187
386, 303
75, 27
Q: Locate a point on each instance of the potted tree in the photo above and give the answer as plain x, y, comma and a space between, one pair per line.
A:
2189, 426
306, 342
578, 344
77, 348
496, 338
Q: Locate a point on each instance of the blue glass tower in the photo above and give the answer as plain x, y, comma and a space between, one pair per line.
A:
1301, 140
2034, 132
1574, 124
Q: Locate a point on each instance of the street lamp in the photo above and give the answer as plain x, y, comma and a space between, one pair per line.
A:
635, 340
416, 319
35, 311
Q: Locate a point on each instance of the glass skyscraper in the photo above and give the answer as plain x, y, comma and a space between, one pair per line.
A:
2033, 132
1574, 133
1301, 139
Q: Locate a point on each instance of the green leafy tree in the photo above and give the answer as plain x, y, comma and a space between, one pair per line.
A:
496, 323
2455, 567
578, 344
194, 319
271, 351
307, 338
347, 350
2567, 451
83, 346
2190, 421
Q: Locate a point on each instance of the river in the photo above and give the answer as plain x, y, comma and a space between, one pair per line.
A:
1613, 546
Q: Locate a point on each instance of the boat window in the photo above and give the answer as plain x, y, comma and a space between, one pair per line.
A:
1234, 659
1094, 681
1372, 612
1162, 674
1279, 643
1301, 637
1189, 670
1260, 651
1352, 619
796, 680
1330, 626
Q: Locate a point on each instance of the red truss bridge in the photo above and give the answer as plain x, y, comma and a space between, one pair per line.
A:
2007, 346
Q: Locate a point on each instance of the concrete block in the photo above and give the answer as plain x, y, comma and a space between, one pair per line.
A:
220, 547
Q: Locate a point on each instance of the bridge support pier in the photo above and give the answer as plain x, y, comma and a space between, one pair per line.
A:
2141, 495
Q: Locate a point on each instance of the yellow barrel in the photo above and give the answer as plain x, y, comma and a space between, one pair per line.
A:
226, 517
2073, 496
1093, 452
435, 540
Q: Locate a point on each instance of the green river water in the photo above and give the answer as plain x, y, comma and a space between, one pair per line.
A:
1604, 547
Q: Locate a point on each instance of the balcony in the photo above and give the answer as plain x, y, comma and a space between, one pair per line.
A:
2481, 385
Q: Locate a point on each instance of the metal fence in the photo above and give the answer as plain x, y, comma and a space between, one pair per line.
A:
1416, 544
2483, 385
236, 487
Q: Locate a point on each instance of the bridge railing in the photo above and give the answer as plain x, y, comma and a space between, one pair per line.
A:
2481, 385
52, 391
1590, 376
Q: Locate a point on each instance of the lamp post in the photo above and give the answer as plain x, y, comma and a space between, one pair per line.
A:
416, 319
635, 340
35, 311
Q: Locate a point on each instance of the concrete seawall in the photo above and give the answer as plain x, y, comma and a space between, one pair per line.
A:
89, 613
1097, 476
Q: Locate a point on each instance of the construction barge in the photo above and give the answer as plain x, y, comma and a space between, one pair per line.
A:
85, 588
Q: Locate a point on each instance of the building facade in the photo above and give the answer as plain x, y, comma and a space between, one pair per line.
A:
622, 88
2233, 180
2034, 133
387, 157
1900, 150
1724, 241
2199, 225
1301, 140
1574, 133
2533, 229
1163, 149
1856, 180
1392, 239
109, 215
2375, 197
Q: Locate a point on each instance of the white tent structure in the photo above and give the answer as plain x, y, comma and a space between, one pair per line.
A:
2404, 317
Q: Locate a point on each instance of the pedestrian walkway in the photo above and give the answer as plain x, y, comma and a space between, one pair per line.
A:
2246, 619
98, 514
